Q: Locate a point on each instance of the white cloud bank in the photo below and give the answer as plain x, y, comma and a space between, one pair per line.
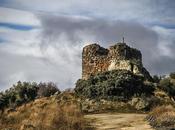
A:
148, 11
52, 52
8, 15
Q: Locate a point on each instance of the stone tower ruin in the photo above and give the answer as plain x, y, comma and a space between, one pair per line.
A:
96, 59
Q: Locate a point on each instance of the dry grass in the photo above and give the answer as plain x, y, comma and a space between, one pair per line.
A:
162, 116
53, 113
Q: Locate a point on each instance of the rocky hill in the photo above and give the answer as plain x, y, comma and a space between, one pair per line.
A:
115, 74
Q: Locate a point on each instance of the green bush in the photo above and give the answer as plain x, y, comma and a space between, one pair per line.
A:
117, 84
156, 79
47, 89
172, 75
167, 86
23, 92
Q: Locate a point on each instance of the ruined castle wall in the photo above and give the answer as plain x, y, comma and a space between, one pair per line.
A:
94, 60
121, 51
97, 59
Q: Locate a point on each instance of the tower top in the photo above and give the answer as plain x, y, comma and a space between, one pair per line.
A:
123, 40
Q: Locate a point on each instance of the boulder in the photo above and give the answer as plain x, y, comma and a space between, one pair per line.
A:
139, 103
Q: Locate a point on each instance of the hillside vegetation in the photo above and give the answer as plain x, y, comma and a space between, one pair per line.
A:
114, 85
58, 112
23, 92
32, 106
163, 115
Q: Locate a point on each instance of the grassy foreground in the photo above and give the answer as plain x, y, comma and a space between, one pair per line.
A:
52, 113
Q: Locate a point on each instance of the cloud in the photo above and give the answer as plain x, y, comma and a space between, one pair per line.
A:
81, 31
31, 63
163, 65
29, 68
98, 30
20, 17
24, 57
166, 40
164, 60
52, 52
157, 11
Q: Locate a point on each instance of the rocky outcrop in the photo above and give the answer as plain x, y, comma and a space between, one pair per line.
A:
97, 59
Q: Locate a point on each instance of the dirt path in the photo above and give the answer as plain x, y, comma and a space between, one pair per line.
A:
119, 121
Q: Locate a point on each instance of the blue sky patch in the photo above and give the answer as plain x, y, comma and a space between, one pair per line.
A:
17, 26
2, 40
3, 2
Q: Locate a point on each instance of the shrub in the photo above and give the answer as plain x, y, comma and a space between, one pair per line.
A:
23, 92
156, 79
162, 116
172, 75
68, 117
26, 91
117, 84
47, 89
167, 86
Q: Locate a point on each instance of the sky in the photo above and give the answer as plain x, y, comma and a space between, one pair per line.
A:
42, 40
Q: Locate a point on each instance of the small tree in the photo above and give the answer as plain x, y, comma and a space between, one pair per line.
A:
168, 87
156, 79
47, 89
172, 75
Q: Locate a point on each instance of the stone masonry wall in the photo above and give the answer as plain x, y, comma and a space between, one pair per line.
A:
97, 59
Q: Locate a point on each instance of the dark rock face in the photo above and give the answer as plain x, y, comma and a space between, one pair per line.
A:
97, 59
